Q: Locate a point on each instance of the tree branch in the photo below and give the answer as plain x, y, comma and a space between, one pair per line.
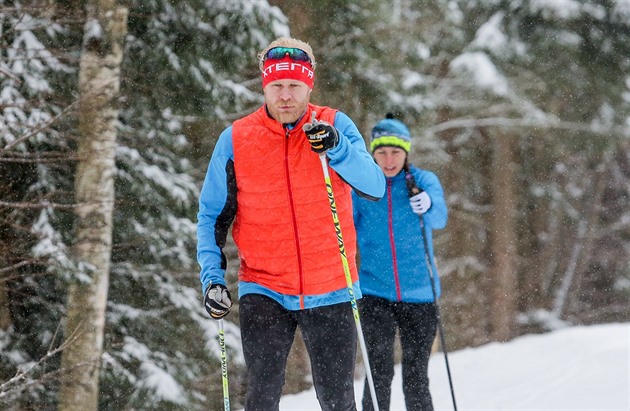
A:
519, 122
38, 129
19, 381
36, 206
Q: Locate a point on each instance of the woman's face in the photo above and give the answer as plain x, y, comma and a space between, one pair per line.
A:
390, 159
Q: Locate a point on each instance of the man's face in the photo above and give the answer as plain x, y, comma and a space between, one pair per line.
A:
391, 159
287, 99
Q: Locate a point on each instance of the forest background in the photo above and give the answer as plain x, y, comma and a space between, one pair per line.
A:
110, 110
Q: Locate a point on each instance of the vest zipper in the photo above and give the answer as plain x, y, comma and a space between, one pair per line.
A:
295, 232
392, 242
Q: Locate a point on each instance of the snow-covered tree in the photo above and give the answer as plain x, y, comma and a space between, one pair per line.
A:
35, 198
189, 68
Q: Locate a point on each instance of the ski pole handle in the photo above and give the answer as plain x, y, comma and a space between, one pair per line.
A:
412, 187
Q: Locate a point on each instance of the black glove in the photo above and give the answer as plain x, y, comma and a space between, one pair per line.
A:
217, 301
321, 135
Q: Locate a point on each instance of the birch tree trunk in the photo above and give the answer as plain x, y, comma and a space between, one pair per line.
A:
99, 85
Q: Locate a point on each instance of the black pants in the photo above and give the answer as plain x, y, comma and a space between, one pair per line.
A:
267, 332
417, 325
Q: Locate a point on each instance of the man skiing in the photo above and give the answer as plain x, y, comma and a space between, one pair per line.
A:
265, 176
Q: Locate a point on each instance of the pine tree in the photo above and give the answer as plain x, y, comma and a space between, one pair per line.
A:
35, 198
189, 69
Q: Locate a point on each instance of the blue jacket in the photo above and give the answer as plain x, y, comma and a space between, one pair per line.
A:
391, 248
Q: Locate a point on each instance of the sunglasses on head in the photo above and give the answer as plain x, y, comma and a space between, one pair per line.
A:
294, 54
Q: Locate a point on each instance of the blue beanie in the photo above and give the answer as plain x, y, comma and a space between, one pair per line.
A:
390, 132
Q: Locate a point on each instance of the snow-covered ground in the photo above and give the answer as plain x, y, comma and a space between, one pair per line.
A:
571, 369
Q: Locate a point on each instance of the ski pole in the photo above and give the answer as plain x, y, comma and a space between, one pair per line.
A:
437, 309
346, 270
413, 190
224, 377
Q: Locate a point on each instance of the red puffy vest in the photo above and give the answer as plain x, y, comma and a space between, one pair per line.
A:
283, 226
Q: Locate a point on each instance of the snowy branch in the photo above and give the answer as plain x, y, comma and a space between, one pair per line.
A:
38, 129
21, 380
38, 157
9, 74
36, 206
535, 123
